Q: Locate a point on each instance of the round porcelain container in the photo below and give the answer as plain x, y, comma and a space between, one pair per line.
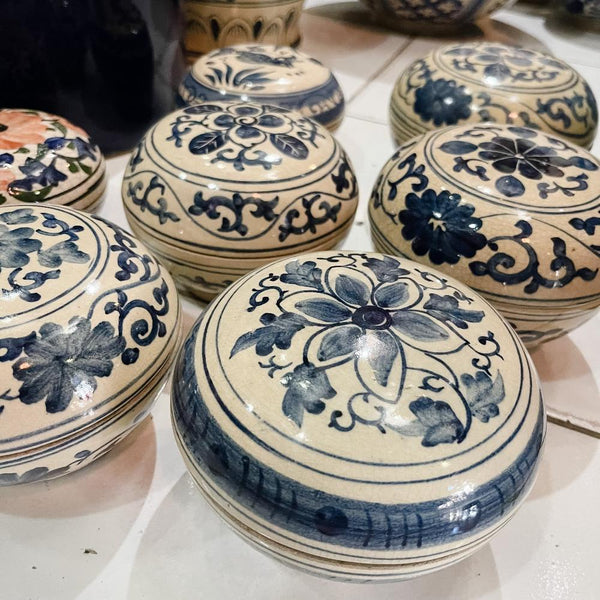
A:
267, 74
476, 82
218, 189
510, 211
211, 24
358, 416
45, 158
89, 327
431, 17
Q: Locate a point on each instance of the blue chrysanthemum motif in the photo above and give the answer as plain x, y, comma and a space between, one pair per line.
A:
61, 364
371, 318
441, 226
443, 102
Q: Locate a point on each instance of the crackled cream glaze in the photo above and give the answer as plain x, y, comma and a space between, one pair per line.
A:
267, 74
89, 326
358, 416
477, 82
45, 158
510, 211
211, 24
219, 188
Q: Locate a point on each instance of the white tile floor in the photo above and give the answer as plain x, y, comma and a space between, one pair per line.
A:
157, 539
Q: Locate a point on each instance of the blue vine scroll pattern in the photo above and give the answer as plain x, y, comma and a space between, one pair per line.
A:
56, 363
389, 327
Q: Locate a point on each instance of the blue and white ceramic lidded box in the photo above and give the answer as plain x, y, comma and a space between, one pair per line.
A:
431, 17
90, 324
45, 158
510, 211
358, 416
267, 74
219, 188
475, 82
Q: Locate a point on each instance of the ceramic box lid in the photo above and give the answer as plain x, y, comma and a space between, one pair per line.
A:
267, 74
239, 179
45, 158
475, 82
345, 400
88, 319
511, 211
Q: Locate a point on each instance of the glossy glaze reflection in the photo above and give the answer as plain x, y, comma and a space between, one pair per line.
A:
398, 423
45, 158
218, 188
478, 82
267, 74
89, 326
508, 210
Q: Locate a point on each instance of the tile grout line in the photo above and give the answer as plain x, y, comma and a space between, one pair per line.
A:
573, 427
383, 67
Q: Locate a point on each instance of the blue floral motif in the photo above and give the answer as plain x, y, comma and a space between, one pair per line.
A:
62, 363
443, 102
369, 313
55, 158
442, 226
17, 246
38, 174
516, 157
233, 133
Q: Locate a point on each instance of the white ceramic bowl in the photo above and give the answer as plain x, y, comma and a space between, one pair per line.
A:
358, 416
89, 327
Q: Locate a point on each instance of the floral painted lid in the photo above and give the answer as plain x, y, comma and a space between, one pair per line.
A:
356, 405
268, 74
512, 212
88, 319
474, 82
239, 179
45, 158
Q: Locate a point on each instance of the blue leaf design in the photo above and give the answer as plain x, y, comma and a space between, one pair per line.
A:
340, 341
418, 326
381, 356
205, 143
446, 308
278, 331
62, 252
18, 217
441, 424
305, 274
483, 395
386, 269
289, 145
307, 387
391, 296
351, 290
458, 147
329, 311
